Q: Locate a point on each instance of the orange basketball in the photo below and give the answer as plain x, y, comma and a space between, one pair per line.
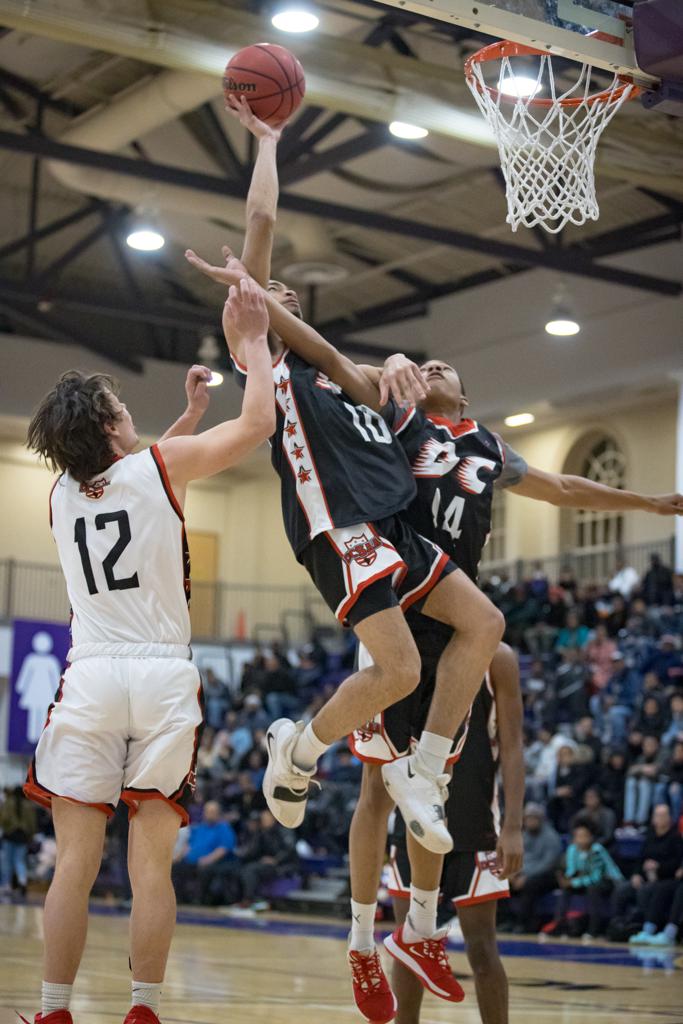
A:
269, 77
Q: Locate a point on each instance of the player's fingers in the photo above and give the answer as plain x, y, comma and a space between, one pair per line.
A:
420, 382
227, 253
383, 391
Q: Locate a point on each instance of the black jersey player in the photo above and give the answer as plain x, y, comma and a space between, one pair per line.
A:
344, 479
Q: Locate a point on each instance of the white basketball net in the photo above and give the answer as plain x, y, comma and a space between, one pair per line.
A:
547, 153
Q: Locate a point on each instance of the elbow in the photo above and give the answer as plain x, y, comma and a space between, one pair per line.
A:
261, 220
260, 426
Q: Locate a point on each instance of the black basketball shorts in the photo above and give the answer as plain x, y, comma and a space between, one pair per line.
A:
467, 878
366, 568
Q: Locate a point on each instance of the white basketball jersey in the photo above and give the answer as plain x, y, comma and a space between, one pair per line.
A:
121, 542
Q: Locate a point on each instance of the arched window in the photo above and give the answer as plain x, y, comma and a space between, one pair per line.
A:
593, 538
604, 463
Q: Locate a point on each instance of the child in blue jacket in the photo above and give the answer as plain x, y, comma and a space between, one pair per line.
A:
588, 870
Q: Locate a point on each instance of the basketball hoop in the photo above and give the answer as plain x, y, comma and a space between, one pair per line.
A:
546, 139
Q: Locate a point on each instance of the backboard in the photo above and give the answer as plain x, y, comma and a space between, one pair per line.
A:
561, 27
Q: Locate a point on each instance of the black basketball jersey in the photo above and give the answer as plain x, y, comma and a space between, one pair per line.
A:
456, 466
472, 808
339, 463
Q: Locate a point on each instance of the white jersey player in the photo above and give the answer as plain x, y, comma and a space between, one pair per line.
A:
126, 718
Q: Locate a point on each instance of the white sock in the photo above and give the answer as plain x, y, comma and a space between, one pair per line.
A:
55, 997
146, 994
421, 920
362, 925
308, 749
433, 751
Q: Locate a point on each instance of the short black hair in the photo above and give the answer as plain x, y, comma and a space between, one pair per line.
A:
67, 428
583, 821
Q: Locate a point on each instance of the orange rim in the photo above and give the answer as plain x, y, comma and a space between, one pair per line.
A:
506, 48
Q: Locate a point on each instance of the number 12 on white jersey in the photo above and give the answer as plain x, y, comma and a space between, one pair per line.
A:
448, 520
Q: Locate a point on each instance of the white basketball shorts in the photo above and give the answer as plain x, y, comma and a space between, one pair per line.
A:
120, 728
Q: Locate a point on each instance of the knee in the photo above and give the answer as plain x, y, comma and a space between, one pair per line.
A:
402, 670
374, 799
482, 953
81, 866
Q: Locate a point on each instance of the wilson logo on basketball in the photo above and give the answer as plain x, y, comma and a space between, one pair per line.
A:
94, 489
362, 550
234, 86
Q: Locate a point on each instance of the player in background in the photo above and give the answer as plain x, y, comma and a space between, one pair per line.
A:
456, 462
344, 479
126, 719
475, 873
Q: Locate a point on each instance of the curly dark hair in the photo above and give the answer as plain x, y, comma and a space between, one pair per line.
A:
67, 428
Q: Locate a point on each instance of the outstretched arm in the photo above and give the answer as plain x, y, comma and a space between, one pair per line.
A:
504, 675
190, 458
196, 385
263, 191
576, 492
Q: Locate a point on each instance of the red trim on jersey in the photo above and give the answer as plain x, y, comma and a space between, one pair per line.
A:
166, 483
243, 369
455, 429
310, 452
433, 578
404, 420
399, 564
398, 894
351, 741
49, 500
43, 796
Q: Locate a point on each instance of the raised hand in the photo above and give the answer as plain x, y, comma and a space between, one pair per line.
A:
240, 109
230, 273
245, 311
402, 380
196, 389
668, 504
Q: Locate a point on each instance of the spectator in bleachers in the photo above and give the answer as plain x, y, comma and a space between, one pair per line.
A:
268, 853
611, 780
652, 718
603, 818
521, 610
671, 909
574, 635
660, 859
538, 585
588, 871
599, 651
666, 661
253, 716
657, 585
641, 780
216, 699
669, 789
540, 637
625, 580
240, 736
587, 738
566, 581
201, 850
542, 759
571, 686
613, 707
279, 687
570, 782
674, 730
18, 826
542, 853
617, 615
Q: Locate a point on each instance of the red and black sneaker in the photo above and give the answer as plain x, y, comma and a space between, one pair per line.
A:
141, 1015
428, 961
371, 990
56, 1017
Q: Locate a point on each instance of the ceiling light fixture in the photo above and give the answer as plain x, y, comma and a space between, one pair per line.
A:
520, 86
145, 239
407, 131
520, 419
295, 19
562, 322
216, 379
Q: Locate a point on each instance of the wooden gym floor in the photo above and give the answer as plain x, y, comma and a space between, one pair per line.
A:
284, 970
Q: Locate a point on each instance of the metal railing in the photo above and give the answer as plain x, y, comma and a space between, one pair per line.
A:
592, 565
227, 611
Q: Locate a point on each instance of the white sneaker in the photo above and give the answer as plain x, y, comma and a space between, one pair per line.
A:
421, 799
285, 786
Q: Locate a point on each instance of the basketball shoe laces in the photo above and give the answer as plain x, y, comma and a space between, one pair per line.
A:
367, 971
434, 949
